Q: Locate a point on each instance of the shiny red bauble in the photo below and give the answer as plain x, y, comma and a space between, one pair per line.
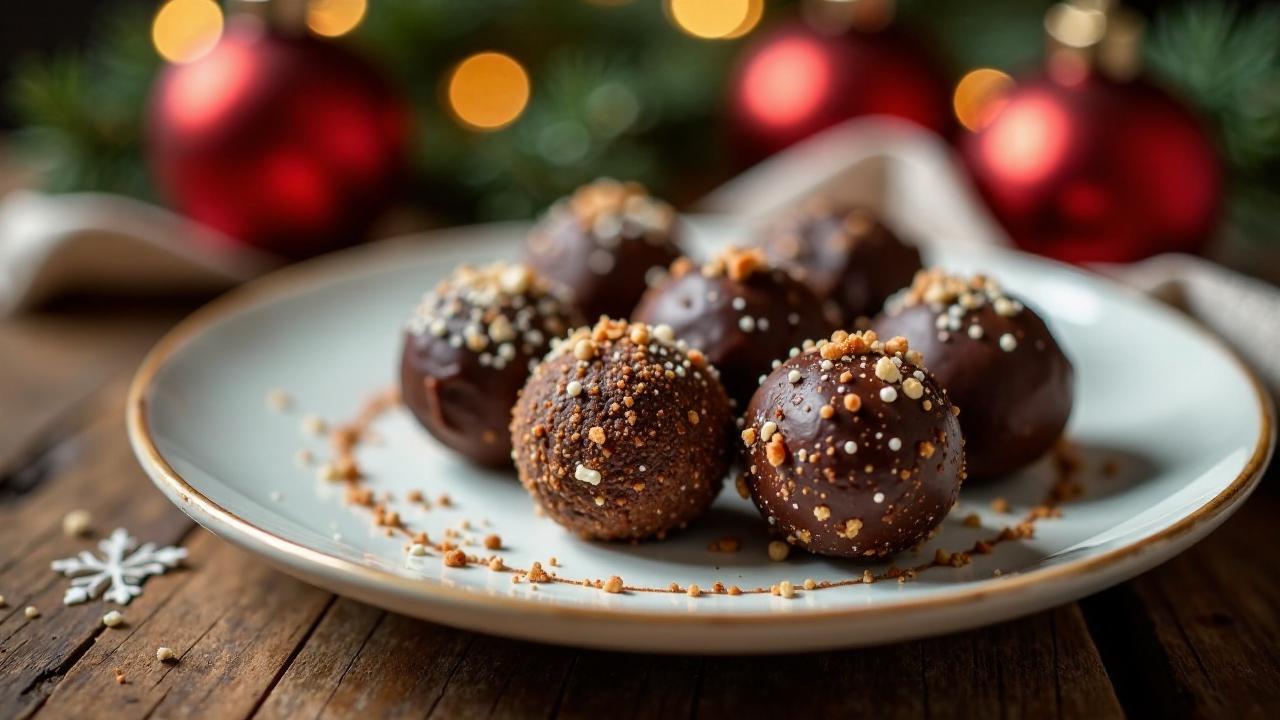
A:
1097, 170
289, 144
796, 81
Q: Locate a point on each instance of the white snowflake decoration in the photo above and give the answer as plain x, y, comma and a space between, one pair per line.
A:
122, 567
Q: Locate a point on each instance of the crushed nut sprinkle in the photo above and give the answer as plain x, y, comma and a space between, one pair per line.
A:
726, 544
537, 574
778, 550
77, 523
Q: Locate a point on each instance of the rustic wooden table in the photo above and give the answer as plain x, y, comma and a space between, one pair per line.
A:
1199, 636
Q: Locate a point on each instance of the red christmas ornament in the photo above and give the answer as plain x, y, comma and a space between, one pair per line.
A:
796, 81
1097, 170
290, 144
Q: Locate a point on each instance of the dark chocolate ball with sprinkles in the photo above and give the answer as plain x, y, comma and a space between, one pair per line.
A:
739, 310
623, 432
852, 449
998, 361
845, 255
468, 349
605, 243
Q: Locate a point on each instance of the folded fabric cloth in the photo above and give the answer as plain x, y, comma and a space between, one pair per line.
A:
96, 243
1241, 310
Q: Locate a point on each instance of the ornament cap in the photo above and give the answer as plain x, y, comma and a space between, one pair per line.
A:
835, 17
1087, 35
284, 16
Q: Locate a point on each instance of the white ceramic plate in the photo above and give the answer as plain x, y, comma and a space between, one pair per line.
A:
1182, 428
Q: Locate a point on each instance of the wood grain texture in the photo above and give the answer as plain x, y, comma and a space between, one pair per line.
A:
1197, 637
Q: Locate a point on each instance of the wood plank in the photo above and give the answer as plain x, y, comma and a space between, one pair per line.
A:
323, 662
400, 671
631, 686
34, 654
234, 623
506, 679
55, 359
883, 682
1199, 635
1084, 687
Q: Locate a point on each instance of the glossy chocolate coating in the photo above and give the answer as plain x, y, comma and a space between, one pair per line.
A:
603, 244
1013, 404
462, 366
845, 256
831, 501
742, 325
620, 446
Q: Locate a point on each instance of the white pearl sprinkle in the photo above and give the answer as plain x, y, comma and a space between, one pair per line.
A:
587, 475
850, 447
767, 430
746, 323
1008, 343
738, 303
794, 376
888, 394
895, 444
878, 498
975, 332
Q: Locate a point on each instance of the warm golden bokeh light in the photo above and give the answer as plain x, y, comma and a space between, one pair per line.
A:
979, 96
755, 11
488, 90
184, 30
711, 19
332, 18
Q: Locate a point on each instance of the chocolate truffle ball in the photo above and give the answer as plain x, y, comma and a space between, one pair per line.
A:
852, 448
622, 433
604, 243
998, 362
740, 311
844, 255
468, 349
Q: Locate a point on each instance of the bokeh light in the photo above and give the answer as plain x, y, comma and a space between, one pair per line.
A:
755, 11
186, 30
488, 91
203, 92
787, 82
714, 19
979, 96
1027, 140
332, 18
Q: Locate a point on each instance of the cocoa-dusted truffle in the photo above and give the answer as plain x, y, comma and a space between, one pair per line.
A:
622, 433
852, 448
997, 360
468, 349
844, 255
604, 243
739, 310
